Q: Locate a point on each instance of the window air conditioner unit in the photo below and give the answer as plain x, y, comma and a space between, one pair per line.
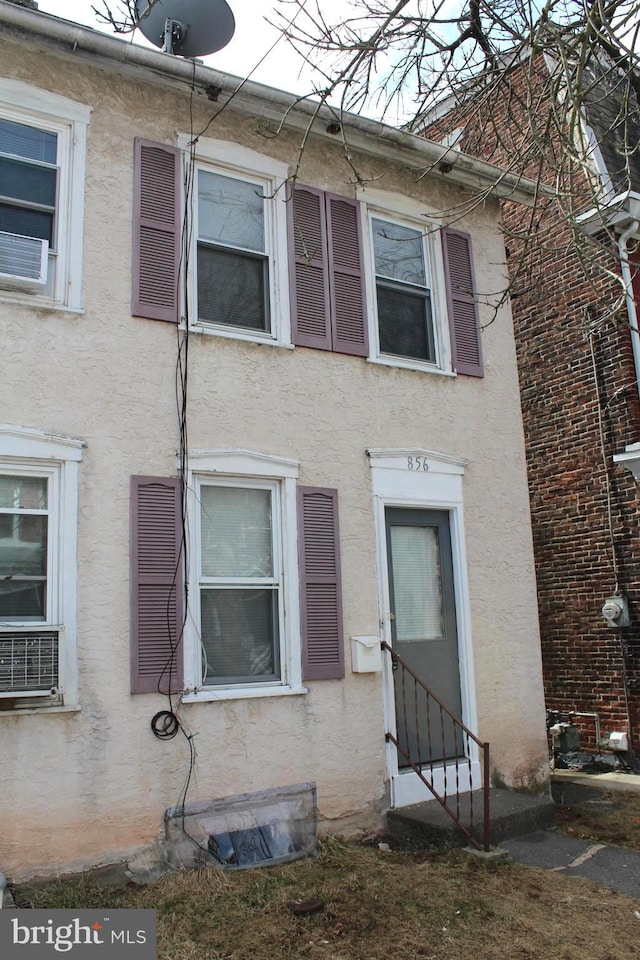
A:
23, 262
29, 663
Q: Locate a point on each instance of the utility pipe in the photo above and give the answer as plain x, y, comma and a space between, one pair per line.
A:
632, 310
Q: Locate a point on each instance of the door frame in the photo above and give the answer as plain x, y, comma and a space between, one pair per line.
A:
424, 479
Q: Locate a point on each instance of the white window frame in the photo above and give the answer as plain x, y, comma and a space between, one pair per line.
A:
398, 209
250, 469
35, 453
22, 103
241, 163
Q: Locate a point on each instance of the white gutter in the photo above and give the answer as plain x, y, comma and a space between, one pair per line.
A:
616, 212
369, 136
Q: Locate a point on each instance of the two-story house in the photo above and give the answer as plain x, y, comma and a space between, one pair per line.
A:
252, 428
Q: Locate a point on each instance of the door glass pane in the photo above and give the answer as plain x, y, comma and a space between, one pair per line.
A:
417, 586
399, 252
239, 634
28, 142
232, 289
236, 536
230, 212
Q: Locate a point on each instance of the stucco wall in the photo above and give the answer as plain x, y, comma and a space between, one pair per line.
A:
92, 785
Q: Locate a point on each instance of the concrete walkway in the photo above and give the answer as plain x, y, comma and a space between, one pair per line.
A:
614, 867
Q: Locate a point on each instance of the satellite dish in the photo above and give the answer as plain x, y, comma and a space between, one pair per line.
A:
189, 28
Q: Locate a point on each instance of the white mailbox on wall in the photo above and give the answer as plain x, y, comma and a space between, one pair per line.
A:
366, 655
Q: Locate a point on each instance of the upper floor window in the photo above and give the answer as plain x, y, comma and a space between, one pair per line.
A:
28, 181
372, 279
403, 296
233, 259
42, 162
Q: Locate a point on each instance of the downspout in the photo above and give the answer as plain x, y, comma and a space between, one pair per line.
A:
632, 311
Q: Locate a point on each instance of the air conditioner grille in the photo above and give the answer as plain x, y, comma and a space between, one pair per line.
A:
28, 662
23, 257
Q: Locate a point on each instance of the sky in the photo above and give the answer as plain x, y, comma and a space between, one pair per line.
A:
252, 39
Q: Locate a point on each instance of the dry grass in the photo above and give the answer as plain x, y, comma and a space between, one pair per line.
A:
613, 818
377, 905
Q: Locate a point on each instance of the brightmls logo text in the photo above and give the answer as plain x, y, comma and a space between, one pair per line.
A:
99, 934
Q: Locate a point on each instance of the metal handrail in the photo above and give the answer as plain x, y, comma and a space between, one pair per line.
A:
425, 768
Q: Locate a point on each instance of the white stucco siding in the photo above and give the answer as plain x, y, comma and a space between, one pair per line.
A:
92, 785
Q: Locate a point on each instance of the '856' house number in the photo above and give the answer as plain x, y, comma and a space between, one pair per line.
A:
417, 463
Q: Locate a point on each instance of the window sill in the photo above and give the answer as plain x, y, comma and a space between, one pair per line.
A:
210, 330
40, 711
411, 365
245, 693
39, 303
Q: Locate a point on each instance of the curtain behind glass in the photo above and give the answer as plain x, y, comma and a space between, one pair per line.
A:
417, 583
236, 532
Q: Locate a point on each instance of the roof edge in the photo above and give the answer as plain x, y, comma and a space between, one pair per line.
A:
294, 112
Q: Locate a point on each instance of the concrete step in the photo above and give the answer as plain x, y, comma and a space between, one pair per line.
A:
511, 815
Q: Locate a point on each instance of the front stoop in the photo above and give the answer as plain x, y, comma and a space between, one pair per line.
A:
512, 815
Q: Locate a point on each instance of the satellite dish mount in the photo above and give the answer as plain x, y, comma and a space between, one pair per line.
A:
186, 28
174, 34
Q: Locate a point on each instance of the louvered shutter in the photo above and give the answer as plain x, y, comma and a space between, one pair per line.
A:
156, 231
346, 277
156, 585
311, 322
464, 321
320, 587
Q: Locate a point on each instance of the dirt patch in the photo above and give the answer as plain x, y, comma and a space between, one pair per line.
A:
372, 904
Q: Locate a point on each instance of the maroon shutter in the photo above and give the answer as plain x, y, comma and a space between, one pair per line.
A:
346, 272
310, 321
320, 587
156, 231
464, 321
156, 585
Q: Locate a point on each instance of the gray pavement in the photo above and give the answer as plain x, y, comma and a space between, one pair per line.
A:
614, 867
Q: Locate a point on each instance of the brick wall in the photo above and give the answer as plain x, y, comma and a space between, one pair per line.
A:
575, 361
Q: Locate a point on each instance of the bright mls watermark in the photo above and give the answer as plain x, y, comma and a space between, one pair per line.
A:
80, 934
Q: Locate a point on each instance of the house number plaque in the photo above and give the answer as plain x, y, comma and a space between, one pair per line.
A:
417, 463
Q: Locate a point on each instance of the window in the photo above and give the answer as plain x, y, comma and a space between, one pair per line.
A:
238, 270
42, 158
24, 537
243, 560
405, 323
240, 583
28, 190
265, 605
237, 275
233, 265
38, 517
